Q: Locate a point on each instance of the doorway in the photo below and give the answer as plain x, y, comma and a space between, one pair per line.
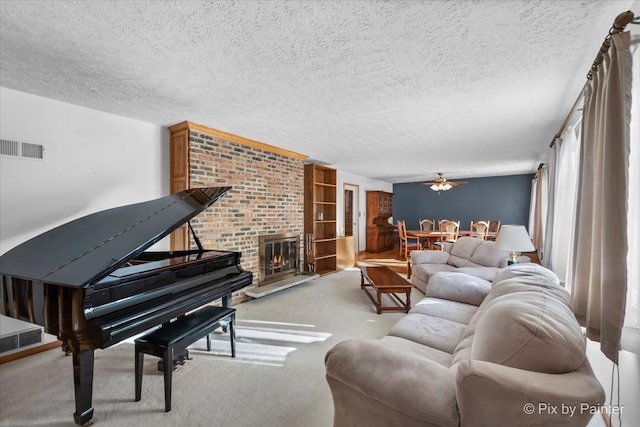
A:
351, 214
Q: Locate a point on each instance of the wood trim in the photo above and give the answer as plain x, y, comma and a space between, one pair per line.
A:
28, 352
235, 138
179, 180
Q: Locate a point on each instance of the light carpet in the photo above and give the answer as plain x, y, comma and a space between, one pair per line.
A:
276, 379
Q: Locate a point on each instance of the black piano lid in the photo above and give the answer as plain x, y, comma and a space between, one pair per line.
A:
87, 249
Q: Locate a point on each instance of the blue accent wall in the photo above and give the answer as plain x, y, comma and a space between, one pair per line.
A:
505, 198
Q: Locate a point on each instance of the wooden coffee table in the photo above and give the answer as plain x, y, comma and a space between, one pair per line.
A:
385, 281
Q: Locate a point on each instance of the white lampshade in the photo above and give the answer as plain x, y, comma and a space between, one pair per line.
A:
514, 238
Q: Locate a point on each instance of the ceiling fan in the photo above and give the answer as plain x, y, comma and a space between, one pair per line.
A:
442, 184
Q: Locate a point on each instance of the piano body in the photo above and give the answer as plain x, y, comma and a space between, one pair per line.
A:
91, 283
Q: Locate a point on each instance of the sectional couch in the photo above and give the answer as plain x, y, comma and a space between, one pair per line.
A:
468, 255
471, 353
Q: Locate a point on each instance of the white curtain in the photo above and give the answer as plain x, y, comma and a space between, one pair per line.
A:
532, 206
553, 189
540, 210
599, 281
631, 330
562, 201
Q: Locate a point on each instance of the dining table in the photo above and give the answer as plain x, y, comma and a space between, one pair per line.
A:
431, 236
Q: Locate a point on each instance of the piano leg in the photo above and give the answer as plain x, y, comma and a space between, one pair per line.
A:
83, 385
226, 302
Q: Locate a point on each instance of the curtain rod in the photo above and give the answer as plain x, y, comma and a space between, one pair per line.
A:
618, 26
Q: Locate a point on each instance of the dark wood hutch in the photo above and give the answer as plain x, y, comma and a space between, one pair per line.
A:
379, 230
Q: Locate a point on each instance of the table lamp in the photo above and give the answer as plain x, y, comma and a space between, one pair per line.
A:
514, 238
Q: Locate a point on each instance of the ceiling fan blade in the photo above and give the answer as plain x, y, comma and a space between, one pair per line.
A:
441, 179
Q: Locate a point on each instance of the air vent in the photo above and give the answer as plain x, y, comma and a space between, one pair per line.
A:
21, 149
8, 343
9, 148
30, 337
16, 334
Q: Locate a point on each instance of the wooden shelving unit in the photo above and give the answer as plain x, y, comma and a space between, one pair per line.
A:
320, 215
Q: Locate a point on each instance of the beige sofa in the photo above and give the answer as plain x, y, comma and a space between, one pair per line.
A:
471, 354
468, 255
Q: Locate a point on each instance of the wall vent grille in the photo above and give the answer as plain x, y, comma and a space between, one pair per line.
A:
30, 337
9, 343
9, 148
21, 149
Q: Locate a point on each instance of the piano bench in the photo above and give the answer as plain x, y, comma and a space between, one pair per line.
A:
174, 337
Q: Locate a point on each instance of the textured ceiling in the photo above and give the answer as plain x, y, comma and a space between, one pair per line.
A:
395, 90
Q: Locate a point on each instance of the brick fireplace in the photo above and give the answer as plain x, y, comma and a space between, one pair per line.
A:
267, 198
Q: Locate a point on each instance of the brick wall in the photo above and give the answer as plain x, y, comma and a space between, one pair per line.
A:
267, 196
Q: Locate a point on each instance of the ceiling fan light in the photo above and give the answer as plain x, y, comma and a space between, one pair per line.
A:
441, 186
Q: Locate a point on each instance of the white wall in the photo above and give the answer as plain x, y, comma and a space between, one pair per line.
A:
365, 184
93, 161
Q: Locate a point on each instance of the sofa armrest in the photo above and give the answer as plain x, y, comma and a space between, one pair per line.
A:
429, 257
490, 394
367, 374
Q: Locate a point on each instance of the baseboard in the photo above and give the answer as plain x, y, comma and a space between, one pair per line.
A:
30, 351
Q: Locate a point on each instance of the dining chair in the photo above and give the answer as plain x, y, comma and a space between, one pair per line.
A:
449, 232
479, 229
427, 225
405, 241
441, 221
494, 227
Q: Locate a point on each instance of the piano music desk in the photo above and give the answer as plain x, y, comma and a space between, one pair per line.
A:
173, 338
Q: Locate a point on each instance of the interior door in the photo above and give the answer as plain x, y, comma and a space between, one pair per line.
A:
352, 213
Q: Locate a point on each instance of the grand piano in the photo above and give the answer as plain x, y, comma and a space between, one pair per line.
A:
91, 283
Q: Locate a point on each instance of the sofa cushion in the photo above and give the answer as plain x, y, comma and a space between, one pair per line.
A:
485, 273
529, 284
457, 286
457, 261
440, 334
462, 352
527, 269
488, 255
425, 271
531, 331
528, 277
408, 346
429, 257
444, 309
464, 247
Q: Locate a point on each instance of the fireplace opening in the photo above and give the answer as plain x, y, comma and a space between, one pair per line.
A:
279, 257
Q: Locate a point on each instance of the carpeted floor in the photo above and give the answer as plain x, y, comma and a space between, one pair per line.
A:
277, 378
